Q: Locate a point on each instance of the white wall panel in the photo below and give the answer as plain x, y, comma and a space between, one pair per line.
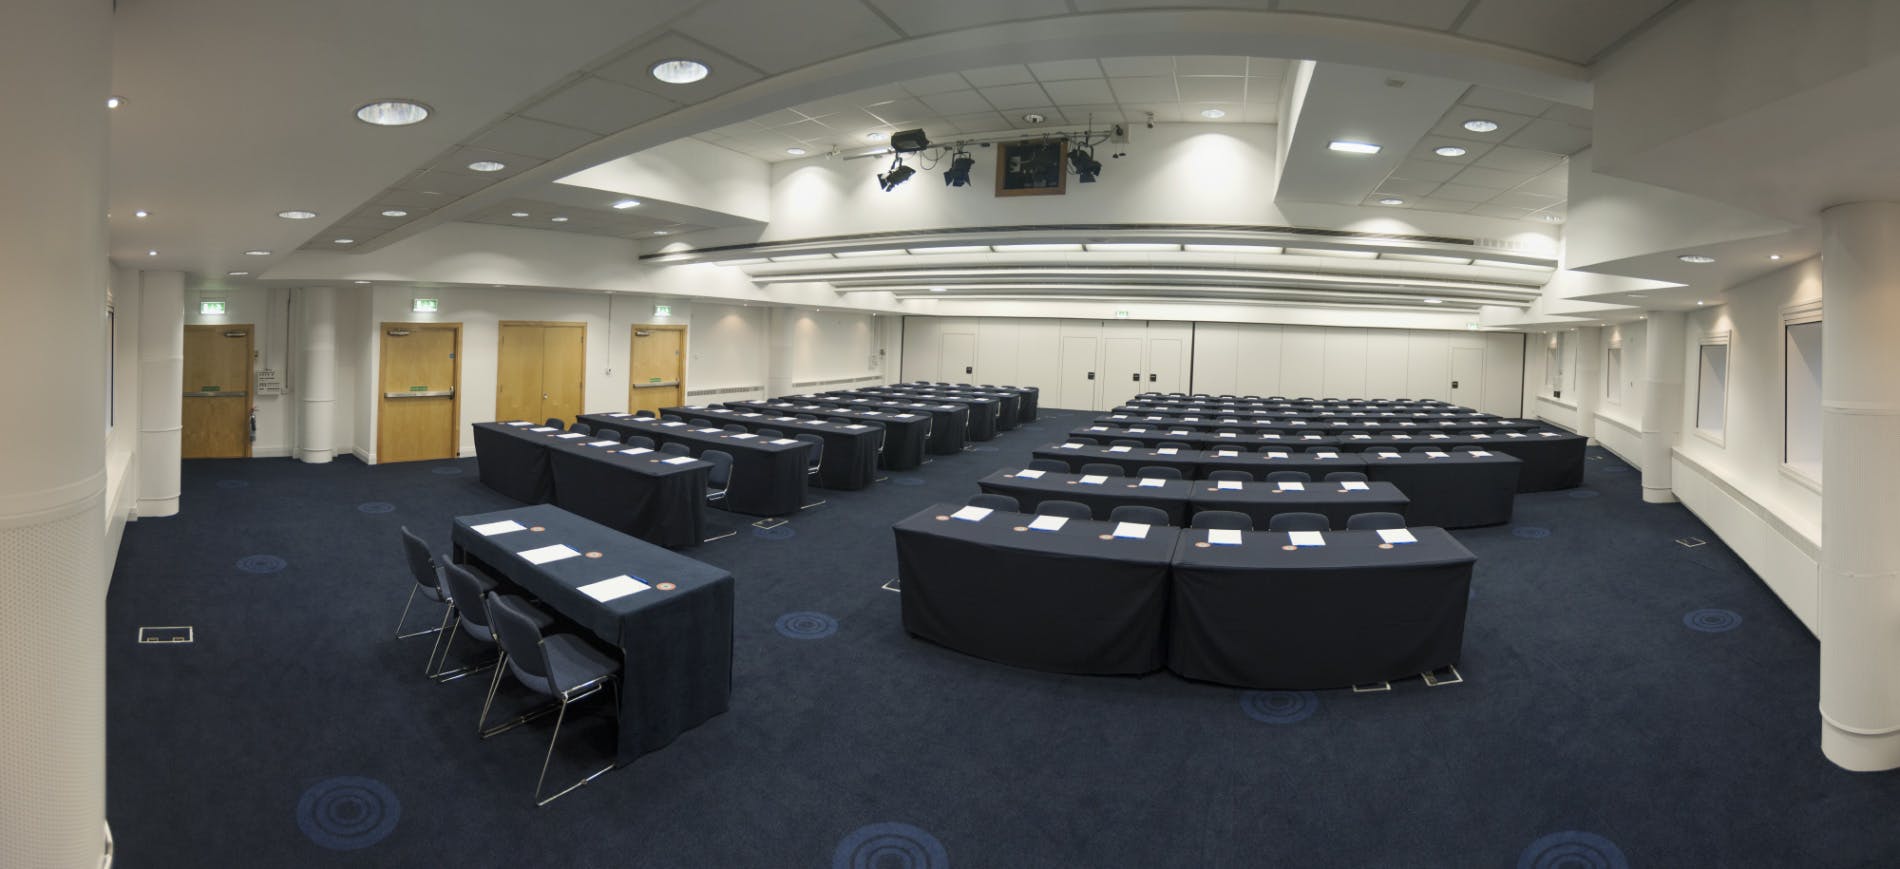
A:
998, 352
922, 340
1303, 361
1388, 355
1345, 374
1503, 374
1428, 365
1038, 355
1258, 354
1215, 362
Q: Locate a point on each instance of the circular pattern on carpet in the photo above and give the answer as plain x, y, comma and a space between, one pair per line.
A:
1713, 621
1530, 532
348, 812
1572, 849
261, 564
806, 626
890, 845
782, 532
447, 471
376, 507
1279, 707
1581, 494
908, 481
234, 484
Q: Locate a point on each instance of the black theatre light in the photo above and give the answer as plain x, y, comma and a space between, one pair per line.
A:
1085, 165
908, 141
897, 174
958, 175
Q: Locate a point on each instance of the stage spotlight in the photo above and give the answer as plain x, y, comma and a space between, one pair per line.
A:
897, 174
1085, 165
958, 175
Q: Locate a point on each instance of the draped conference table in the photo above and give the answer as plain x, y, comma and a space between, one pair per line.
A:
905, 432
639, 493
1181, 499
1552, 460
850, 455
674, 638
985, 412
1031, 395
1008, 404
1102, 495
1066, 601
768, 475
949, 423
1258, 615
1200, 440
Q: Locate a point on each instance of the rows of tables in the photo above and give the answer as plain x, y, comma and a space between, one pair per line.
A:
652, 496
1181, 499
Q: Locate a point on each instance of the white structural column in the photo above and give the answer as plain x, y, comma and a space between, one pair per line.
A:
1589, 379
1662, 403
1860, 416
161, 390
316, 441
783, 340
53, 275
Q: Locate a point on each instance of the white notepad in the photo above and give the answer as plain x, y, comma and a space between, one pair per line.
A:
1435, 454
1029, 474
679, 460
1401, 437
1306, 538
783, 441
1439, 436
1326, 455
548, 553
1049, 523
1229, 485
1271, 437
1169, 451
708, 430
1151, 483
1118, 416
636, 451
570, 435
521, 423
542, 428
1121, 449
1228, 454
1276, 455
1139, 429
1548, 434
1132, 531
673, 424
620, 415
1480, 453
1226, 434
1397, 535
971, 514
490, 529
1482, 437
1515, 434
874, 413
904, 415
857, 425
603, 443
1223, 537
1098, 428
744, 437
1093, 479
1354, 486
751, 415
1362, 437
1069, 447
1291, 486
614, 587
1387, 455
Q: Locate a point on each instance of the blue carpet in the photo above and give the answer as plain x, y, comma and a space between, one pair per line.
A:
1628, 702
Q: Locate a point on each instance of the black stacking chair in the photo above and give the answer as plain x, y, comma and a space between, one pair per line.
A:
581, 427
719, 478
838, 420
804, 416
675, 448
555, 422
1299, 522
1289, 477
1051, 465
996, 502
1083, 440
561, 666
1140, 513
1374, 521
1226, 429
1322, 448
1179, 445
771, 433
1471, 448
608, 434
1231, 476
734, 427
1345, 477
817, 451
643, 414
1222, 519
639, 441
672, 417
1059, 507
1105, 469
1426, 448
465, 591
427, 576
702, 423
1124, 442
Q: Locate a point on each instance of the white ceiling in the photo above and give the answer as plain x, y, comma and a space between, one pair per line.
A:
1066, 93
1517, 171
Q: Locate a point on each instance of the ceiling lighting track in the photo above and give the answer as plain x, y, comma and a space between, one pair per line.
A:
844, 277
1197, 292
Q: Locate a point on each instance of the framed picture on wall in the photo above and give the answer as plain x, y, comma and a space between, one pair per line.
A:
1032, 168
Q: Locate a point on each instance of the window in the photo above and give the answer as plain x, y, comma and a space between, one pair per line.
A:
1801, 408
1613, 375
112, 362
1711, 406
1554, 364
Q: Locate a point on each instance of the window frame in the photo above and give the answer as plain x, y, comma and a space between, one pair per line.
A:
1613, 372
1722, 340
1798, 314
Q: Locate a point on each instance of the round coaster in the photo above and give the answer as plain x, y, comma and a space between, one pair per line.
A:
666, 586
537, 528
1020, 528
1385, 546
1279, 492
1070, 482
1106, 536
1289, 547
593, 555
943, 518
1203, 544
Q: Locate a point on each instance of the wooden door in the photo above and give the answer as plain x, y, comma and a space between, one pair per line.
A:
217, 413
518, 373
419, 401
563, 370
656, 375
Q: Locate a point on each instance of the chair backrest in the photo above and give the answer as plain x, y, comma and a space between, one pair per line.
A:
839, 420
1233, 476
672, 417
1226, 519
1059, 507
770, 433
675, 448
1471, 448
1051, 465
1289, 477
1078, 439
556, 422
1227, 431
1299, 522
608, 434
734, 427
421, 563
518, 636
1159, 472
817, 448
721, 474
1322, 448
639, 441
996, 502
465, 593
1345, 477
1426, 448
643, 414
702, 423
1105, 469
1141, 513
1124, 442
581, 427
1177, 445
804, 416
1374, 521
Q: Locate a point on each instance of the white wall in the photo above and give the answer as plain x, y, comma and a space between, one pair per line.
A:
1620, 423
122, 438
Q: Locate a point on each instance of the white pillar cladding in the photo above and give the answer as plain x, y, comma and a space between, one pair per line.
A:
161, 390
53, 252
784, 337
1589, 379
1860, 416
1662, 402
316, 382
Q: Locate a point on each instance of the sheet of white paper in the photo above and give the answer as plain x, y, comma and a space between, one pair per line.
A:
548, 553
1228, 454
1548, 434
1093, 479
603, 443
1354, 486
1169, 451
1029, 474
1227, 434
751, 415
673, 424
521, 423
1229, 485
1276, 455
1435, 454
709, 430
614, 587
1049, 523
490, 529
569, 435
679, 460
1306, 538
636, 451
1223, 537
1068, 446
1098, 428
1132, 531
1151, 483
1326, 455
1515, 434
971, 514
1480, 453
1388, 455
542, 428
1121, 449
1397, 535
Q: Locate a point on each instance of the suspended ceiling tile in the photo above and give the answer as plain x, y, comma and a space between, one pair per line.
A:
1572, 30
1432, 203
1453, 124
956, 103
1572, 115
1477, 177
520, 135
1427, 149
1427, 14
1465, 193
936, 84
599, 106
1405, 187
445, 183
1260, 113
457, 161
901, 111
1121, 67
815, 30
1500, 211
993, 76
1505, 101
1512, 159
1210, 65
1151, 89
919, 17
1067, 70
1211, 88
635, 68
1555, 182
1016, 96
1423, 170
1079, 92
1552, 136
1519, 199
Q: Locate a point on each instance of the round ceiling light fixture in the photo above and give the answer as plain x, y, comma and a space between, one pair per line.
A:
517, 214
1033, 118
680, 71
395, 212
143, 213
625, 204
486, 166
1391, 200
1481, 125
1696, 258
796, 152
1434, 301
661, 232
343, 241
360, 282
874, 136
393, 113
297, 215
1775, 257
1551, 218
1213, 114
257, 253
237, 274
558, 219
151, 253
1449, 151
114, 102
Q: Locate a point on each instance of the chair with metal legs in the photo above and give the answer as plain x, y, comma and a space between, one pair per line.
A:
465, 590
562, 666
428, 580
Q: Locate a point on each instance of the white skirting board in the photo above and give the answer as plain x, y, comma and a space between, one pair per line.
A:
1787, 561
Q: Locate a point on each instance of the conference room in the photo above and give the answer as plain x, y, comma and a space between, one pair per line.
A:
879, 433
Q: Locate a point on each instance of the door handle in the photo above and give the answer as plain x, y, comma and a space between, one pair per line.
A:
1454, 384
1091, 375
1151, 377
1136, 377
544, 396
968, 369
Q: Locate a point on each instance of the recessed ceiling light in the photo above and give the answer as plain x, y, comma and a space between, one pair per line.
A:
1696, 258
257, 253
395, 212
517, 214
1033, 118
1213, 114
486, 166
393, 113
151, 253
625, 204
237, 274
1353, 147
796, 152
680, 71
143, 213
558, 219
1698, 301
1772, 256
1391, 200
361, 282
1480, 125
938, 290
345, 241
1434, 301
874, 136
1550, 218
114, 102
661, 232
297, 215
1449, 151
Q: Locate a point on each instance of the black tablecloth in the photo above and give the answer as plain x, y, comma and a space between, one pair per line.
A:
949, 423
1025, 412
1263, 501
850, 456
1129, 459
1458, 491
768, 478
1066, 601
675, 644
1102, 498
1260, 463
1201, 440
514, 461
905, 433
1258, 616
1552, 460
637, 494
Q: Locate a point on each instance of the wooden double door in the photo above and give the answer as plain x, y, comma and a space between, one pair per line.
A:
542, 371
